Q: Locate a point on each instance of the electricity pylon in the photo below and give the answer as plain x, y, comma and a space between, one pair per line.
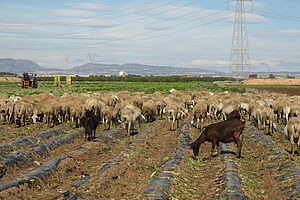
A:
240, 56
91, 57
67, 65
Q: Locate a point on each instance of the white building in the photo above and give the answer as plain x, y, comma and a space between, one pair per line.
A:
122, 74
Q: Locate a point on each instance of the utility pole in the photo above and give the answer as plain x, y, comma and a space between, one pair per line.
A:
67, 65
240, 56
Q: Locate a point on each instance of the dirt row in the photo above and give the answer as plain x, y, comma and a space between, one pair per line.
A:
9, 79
10, 132
89, 164
276, 81
287, 91
133, 167
259, 174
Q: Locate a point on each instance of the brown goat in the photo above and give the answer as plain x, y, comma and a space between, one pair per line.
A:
226, 132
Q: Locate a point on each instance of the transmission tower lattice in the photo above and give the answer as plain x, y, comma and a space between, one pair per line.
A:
240, 56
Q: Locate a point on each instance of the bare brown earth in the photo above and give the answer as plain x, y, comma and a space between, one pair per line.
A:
288, 91
201, 179
193, 179
276, 81
9, 79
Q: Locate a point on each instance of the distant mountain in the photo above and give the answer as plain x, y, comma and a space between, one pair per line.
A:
139, 69
20, 66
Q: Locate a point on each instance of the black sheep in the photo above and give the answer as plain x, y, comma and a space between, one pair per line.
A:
90, 122
234, 115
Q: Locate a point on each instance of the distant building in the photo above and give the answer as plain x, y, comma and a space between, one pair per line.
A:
253, 76
122, 74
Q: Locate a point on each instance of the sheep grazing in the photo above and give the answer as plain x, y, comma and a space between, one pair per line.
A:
226, 132
129, 115
268, 120
175, 114
109, 116
292, 133
149, 111
199, 114
90, 122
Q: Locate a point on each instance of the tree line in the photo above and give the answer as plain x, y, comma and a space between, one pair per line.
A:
140, 78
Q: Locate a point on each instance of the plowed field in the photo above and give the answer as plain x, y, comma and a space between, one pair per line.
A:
153, 163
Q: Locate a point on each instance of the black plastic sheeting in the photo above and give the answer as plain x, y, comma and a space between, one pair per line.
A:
231, 176
41, 173
22, 158
69, 196
108, 137
275, 155
82, 181
116, 160
26, 141
160, 183
35, 175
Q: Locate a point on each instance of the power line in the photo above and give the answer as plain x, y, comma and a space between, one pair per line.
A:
178, 24
68, 22
139, 19
149, 32
187, 29
92, 45
276, 16
99, 15
129, 22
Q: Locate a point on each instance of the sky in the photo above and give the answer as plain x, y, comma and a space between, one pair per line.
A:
179, 33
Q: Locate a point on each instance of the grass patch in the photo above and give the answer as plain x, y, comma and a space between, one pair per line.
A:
265, 86
147, 87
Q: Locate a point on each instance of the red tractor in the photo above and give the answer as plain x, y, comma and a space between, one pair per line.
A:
29, 80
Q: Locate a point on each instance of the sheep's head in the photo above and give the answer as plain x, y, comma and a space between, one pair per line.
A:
195, 146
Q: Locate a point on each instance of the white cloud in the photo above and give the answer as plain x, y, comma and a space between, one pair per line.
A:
88, 6
259, 65
264, 63
290, 32
50, 59
72, 13
280, 33
250, 18
200, 62
87, 22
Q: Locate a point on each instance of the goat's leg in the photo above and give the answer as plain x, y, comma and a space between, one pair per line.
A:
239, 144
173, 123
292, 147
213, 144
298, 147
218, 148
129, 128
109, 124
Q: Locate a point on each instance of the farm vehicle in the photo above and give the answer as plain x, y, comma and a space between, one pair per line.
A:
29, 80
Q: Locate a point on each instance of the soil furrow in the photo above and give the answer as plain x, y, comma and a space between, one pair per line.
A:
24, 159
24, 143
281, 167
55, 169
232, 187
196, 178
127, 174
9, 132
160, 183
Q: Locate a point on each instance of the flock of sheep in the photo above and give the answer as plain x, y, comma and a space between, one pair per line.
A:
125, 108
